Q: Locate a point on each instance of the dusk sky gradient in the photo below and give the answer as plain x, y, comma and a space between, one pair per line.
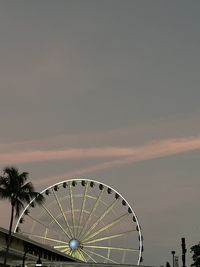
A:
107, 90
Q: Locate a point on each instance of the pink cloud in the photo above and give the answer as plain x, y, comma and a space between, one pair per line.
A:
153, 150
149, 150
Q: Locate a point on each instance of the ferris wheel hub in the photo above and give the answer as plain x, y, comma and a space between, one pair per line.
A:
74, 244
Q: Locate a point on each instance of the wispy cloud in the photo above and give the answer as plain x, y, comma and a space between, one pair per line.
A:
153, 150
150, 150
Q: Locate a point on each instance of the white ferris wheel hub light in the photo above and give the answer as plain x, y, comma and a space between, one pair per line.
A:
74, 244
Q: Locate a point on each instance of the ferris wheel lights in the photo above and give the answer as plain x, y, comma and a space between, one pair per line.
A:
74, 244
141, 259
109, 190
137, 228
134, 219
17, 230
64, 184
101, 187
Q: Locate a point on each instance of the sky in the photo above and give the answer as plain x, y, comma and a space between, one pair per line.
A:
107, 90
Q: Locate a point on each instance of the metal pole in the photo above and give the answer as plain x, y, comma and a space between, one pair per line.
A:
184, 250
39, 262
173, 253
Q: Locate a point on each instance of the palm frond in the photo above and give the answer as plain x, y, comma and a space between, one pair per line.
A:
4, 193
3, 181
11, 171
28, 187
24, 196
18, 208
40, 199
23, 178
14, 188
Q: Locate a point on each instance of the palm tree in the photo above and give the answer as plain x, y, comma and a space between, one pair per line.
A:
196, 255
13, 187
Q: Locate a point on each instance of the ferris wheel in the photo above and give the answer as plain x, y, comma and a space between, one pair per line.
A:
87, 220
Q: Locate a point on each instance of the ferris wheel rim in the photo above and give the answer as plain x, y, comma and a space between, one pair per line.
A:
95, 182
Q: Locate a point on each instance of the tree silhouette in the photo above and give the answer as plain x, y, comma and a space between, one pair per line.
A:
196, 255
13, 187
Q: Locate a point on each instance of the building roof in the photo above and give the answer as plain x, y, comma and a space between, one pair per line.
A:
21, 244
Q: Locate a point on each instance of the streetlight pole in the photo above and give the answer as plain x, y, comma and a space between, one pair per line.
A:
184, 250
173, 253
39, 262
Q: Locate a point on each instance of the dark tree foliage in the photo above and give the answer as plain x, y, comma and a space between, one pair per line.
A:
196, 255
168, 264
13, 187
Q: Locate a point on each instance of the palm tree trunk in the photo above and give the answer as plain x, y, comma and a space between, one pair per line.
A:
9, 236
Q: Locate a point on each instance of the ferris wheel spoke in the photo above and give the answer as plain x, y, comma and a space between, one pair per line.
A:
50, 214
123, 257
41, 223
62, 246
63, 214
44, 225
75, 254
64, 250
83, 233
67, 250
70, 252
43, 237
101, 256
111, 248
92, 212
81, 255
82, 209
100, 218
108, 253
88, 255
72, 209
108, 237
106, 227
